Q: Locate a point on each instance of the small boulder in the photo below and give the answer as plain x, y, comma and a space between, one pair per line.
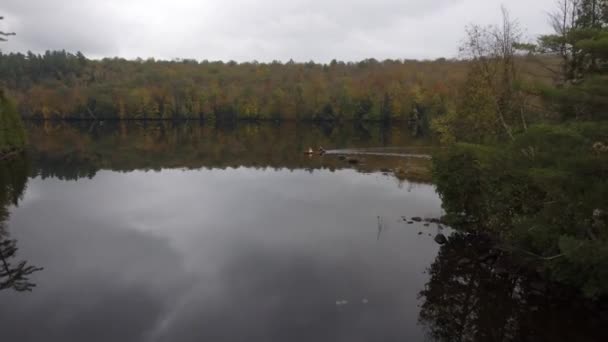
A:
441, 239
417, 219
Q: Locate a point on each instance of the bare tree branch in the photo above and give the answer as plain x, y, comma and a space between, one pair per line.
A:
5, 34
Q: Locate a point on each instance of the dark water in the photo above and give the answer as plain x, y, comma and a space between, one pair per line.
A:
193, 233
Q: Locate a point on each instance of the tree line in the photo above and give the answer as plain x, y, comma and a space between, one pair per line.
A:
62, 85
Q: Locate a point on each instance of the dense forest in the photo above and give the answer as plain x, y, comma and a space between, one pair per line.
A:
62, 85
540, 190
59, 85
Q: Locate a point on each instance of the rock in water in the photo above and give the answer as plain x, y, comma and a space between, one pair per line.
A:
441, 239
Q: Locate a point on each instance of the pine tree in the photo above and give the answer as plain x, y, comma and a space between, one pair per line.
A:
12, 134
581, 41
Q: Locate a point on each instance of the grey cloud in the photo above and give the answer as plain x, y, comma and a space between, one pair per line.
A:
69, 25
258, 29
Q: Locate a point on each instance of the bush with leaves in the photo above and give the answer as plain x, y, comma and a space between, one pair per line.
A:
543, 195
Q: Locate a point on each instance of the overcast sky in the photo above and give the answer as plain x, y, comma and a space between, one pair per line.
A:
263, 30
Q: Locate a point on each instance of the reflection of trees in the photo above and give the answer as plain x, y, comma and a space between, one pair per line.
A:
13, 274
72, 151
471, 297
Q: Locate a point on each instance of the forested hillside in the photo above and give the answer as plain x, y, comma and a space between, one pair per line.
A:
61, 85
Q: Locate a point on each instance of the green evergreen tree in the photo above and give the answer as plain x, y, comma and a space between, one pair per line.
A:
581, 41
12, 134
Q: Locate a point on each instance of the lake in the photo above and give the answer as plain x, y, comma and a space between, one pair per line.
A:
188, 232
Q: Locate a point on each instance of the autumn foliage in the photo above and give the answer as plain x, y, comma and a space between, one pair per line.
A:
61, 85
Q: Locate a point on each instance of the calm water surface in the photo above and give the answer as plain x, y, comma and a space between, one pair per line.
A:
193, 233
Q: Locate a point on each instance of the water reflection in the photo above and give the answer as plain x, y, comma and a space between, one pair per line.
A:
161, 232
471, 296
229, 255
14, 274
71, 151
